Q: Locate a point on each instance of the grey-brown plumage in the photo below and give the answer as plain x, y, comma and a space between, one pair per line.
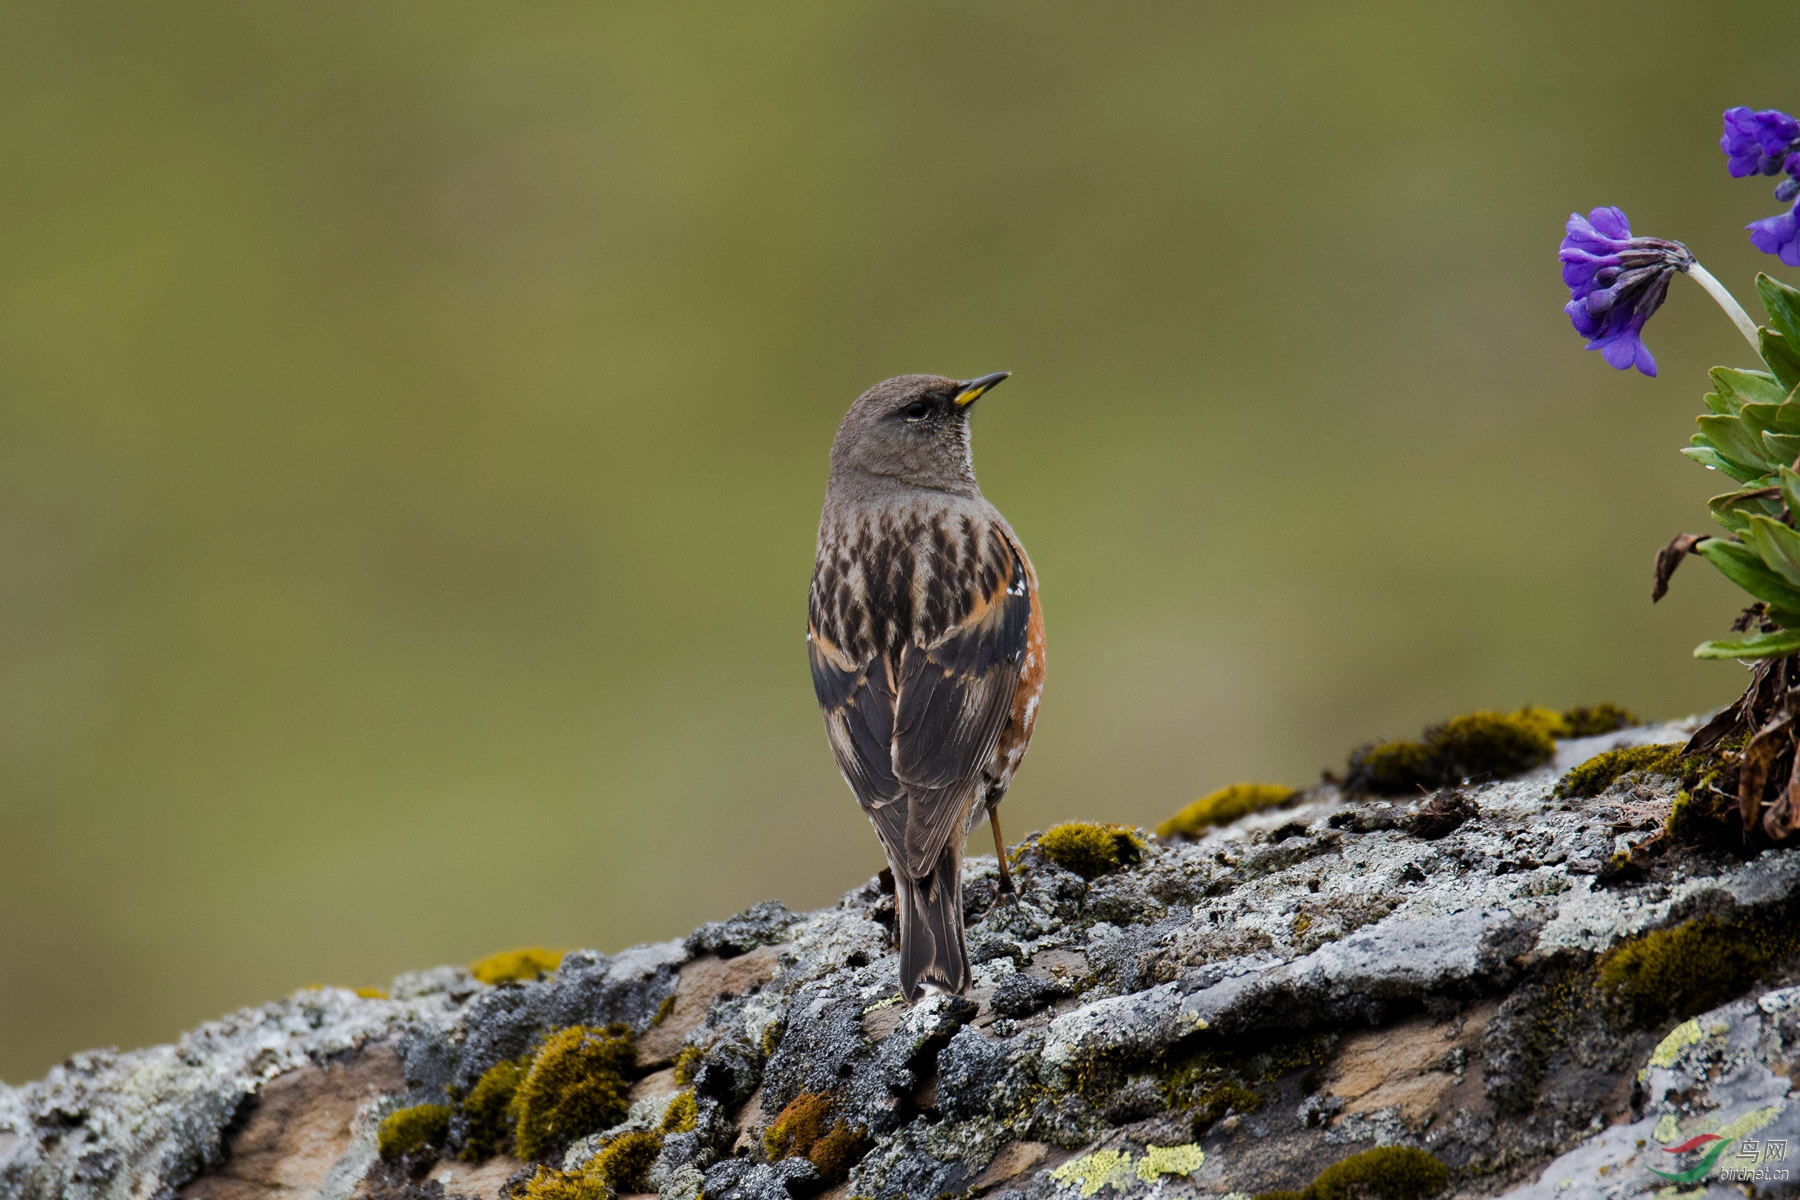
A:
927, 646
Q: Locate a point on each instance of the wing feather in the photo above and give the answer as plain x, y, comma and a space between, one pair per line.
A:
912, 741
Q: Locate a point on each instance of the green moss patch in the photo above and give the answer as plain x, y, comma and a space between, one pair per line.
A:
1211, 1081
488, 1107
625, 1160
577, 1085
1687, 969
1594, 720
1384, 1173
1477, 745
420, 1128
682, 1114
513, 965
1598, 773
1225, 806
550, 1184
1089, 848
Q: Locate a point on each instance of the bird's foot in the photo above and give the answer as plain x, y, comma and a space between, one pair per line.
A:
1004, 897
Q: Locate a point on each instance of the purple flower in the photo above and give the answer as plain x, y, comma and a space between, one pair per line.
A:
1756, 142
1778, 235
1616, 282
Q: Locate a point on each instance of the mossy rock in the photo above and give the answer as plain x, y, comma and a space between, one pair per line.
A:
488, 1110
578, 1084
415, 1130
807, 1128
551, 1184
1477, 745
510, 966
1594, 720
1091, 848
622, 1164
1225, 806
1384, 1173
1675, 973
682, 1114
1599, 772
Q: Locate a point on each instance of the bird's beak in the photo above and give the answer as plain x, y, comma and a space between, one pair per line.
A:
971, 390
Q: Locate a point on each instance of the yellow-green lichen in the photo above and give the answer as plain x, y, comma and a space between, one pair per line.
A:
1117, 1170
682, 1114
664, 1009
1091, 848
577, 1085
1684, 970
511, 965
371, 993
1102, 1168
488, 1109
1170, 1160
1225, 806
1477, 745
1384, 1173
1598, 773
412, 1130
1679, 1039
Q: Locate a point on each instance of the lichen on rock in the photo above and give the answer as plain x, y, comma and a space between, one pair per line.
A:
1322, 998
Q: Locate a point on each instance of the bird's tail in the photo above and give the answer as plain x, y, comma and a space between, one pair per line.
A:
933, 951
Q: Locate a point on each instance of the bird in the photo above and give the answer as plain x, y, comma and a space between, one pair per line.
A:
926, 639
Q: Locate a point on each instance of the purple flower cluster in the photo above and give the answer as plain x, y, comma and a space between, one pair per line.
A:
1768, 143
1616, 282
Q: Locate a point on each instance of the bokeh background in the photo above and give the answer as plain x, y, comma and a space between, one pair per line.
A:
413, 420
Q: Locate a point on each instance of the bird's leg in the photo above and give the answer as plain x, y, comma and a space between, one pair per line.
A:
1006, 893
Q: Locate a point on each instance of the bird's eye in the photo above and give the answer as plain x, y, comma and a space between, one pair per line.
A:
916, 411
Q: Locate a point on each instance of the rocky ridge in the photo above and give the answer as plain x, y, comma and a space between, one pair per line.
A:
1475, 975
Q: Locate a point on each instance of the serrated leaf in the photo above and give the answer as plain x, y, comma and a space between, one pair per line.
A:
1706, 456
1741, 387
1779, 353
1740, 564
1730, 437
1777, 546
1762, 645
1783, 303
1771, 418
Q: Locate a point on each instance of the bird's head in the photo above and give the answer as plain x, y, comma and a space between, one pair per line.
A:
911, 430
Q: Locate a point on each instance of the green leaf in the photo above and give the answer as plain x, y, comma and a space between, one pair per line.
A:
1771, 418
1740, 387
1779, 353
1761, 645
1703, 453
1731, 438
1740, 564
1782, 447
1777, 545
1783, 303
1790, 488
1733, 510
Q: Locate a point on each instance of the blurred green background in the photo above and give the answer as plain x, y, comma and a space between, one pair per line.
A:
413, 420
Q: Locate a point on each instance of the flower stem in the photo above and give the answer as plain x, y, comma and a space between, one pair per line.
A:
1726, 301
